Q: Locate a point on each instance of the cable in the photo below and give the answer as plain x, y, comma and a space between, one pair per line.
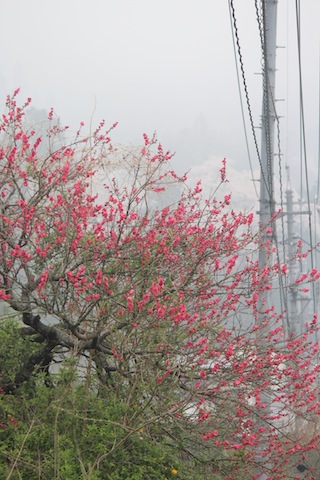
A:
267, 97
300, 141
283, 287
318, 182
269, 183
241, 104
246, 92
297, 4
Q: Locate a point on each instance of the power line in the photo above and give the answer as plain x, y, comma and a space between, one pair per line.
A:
268, 98
235, 27
283, 284
241, 103
318, 181
302, 120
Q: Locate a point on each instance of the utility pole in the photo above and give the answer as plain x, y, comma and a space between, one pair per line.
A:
293, 327
294, 313
267, 202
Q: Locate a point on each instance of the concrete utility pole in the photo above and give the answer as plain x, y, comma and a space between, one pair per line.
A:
267, 202
295, 322
294, 326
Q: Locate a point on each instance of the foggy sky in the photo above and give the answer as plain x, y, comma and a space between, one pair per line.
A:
161, 65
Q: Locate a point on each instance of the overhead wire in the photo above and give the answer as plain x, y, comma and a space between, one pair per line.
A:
304, 147
316, 210
269, 180
297, 12
282, 282
267, 98
241, 103
268, 177
318, 176
245, 86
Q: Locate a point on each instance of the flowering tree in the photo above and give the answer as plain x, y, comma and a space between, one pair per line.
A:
152, 311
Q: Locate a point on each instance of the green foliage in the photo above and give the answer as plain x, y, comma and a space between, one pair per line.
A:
63, 424
62, 433
14, 349
69, 429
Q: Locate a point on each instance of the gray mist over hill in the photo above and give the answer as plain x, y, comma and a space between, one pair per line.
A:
168, 67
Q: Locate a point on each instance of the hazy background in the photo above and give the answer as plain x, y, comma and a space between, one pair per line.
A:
167, 66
